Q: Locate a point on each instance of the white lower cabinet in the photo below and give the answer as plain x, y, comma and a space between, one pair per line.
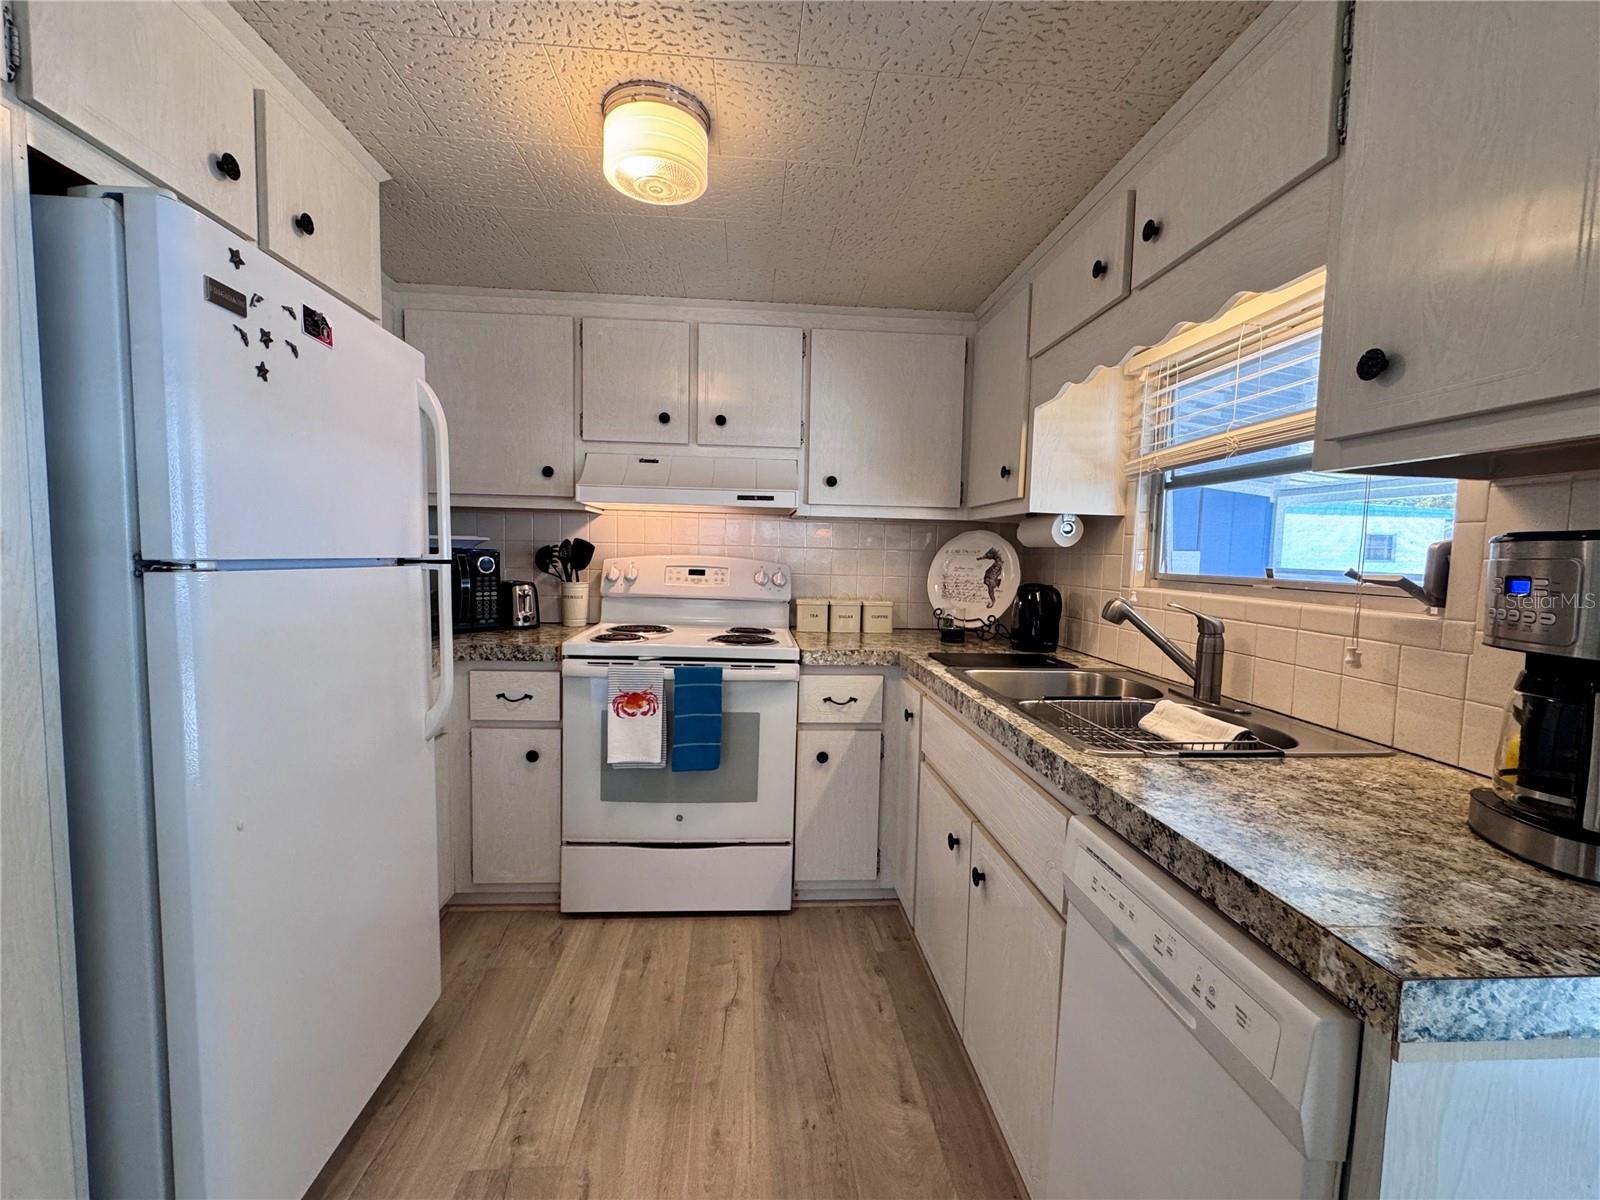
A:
897, 809
1013, 994
944, 852
836, 805
516, 805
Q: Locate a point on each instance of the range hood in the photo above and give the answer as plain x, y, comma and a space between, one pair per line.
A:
689, 481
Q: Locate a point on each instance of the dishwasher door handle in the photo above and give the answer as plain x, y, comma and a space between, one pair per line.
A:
1163, 993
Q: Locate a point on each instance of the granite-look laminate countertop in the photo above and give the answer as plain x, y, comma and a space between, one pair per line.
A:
1360, 872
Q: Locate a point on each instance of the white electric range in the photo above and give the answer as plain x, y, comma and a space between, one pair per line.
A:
658, 840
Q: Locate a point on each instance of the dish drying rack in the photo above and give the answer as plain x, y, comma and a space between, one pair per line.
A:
1114, 725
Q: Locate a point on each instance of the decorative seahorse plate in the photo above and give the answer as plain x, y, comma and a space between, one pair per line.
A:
974, 577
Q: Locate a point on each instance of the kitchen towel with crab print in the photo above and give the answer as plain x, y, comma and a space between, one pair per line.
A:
634, 700
697, 718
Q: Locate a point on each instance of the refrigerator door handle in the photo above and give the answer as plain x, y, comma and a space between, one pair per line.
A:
439, 712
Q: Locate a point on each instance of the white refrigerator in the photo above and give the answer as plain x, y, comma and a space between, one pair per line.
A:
238, 466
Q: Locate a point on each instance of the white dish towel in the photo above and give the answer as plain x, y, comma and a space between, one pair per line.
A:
1180, 723
635, 705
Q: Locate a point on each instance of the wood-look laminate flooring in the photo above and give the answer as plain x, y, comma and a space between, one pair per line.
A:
805, 1055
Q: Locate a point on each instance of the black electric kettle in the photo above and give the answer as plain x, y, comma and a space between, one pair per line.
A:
1038, 621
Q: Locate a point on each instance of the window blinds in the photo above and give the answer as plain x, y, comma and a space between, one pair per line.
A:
1254, 390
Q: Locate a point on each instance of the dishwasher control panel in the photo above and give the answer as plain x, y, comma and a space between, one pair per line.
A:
1205, 987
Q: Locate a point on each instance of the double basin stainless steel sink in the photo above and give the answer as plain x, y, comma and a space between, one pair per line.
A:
1099, 711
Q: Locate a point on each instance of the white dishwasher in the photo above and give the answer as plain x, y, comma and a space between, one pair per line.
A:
1191, 1062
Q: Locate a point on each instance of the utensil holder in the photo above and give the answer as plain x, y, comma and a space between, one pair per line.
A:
575, 604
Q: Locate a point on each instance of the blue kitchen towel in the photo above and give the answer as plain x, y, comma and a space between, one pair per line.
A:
696, 718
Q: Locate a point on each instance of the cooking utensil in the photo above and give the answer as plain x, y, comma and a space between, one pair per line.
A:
564, 554
544, 560
582, 556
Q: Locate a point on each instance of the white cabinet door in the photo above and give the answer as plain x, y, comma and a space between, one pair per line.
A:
505, 380
944, 853
749, 380
155, 86
836, 804
1013, 995
516, 805
319, 210
1266, 127
886, 417
1086, 274
635, 381
1466, 245
997, 429
897, 818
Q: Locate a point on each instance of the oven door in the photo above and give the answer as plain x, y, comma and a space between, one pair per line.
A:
749, 798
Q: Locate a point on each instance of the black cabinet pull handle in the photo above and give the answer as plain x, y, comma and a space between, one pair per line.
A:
305, 224
840, 703
909, 714
664, 417
532, 756
832, 481
228, 166
1005, 472
822, 756
1151, 230
1371, 364
951, 840
1098, 271
720, 419
513, 699
977, 877
547, 472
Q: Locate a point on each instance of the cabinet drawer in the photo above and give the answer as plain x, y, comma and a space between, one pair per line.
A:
1027, 824
836, 805
319, 210
944, 861
514, 695
516, 805
841, 699
1089, 272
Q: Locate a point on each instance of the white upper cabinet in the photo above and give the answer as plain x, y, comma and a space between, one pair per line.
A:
886, 418
1267, 126
1086, 274
319, 213
998, 424
155, 85
505, 380
635, 381
749, 380
1463, 312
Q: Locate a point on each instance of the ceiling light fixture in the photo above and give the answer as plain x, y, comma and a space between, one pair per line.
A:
656, 139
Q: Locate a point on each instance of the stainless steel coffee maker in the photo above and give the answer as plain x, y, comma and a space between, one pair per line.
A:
1542, 597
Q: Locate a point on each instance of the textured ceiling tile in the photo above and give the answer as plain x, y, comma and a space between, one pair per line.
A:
636, 277
480, 89
345, 70
727, 283
916, 121
830, 192
586, 75
759, 245
672, 239
748, 189
1060, 135
440, 243
409, 16
1199, 33
917, 37
570, 178
564, 236
768, 31
917, 287
809, 285
789, 112
463, 171
553, 22
1090, 45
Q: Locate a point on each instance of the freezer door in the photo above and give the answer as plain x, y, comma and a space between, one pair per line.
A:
255, 438
296, 852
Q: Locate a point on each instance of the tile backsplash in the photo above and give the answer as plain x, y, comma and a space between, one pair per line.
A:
857, 559
1392, 673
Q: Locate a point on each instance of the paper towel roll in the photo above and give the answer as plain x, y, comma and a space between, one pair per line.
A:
1062, 529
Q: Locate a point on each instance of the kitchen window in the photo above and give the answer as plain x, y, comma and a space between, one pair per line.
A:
1225, 430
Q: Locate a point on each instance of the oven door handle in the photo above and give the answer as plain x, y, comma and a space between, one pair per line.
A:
733, 674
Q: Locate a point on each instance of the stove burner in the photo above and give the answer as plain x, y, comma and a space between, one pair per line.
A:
757, 629
744, 639
618, 636
638, 629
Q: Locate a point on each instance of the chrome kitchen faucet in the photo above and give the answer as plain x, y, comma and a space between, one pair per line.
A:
1204, 669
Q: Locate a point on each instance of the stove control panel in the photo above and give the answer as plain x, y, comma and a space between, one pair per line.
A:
703, 578
711, 577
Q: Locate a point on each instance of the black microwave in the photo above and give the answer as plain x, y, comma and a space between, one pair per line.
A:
475, 589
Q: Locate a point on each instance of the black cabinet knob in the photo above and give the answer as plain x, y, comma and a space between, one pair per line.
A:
1099, 269
720, 419
1371, 364
909, 714
532, 756
547, 472
305, 224
822, 756
665, 418
228, 166
1005, 472
832, 481
1151, 230
951, 840
977, 877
